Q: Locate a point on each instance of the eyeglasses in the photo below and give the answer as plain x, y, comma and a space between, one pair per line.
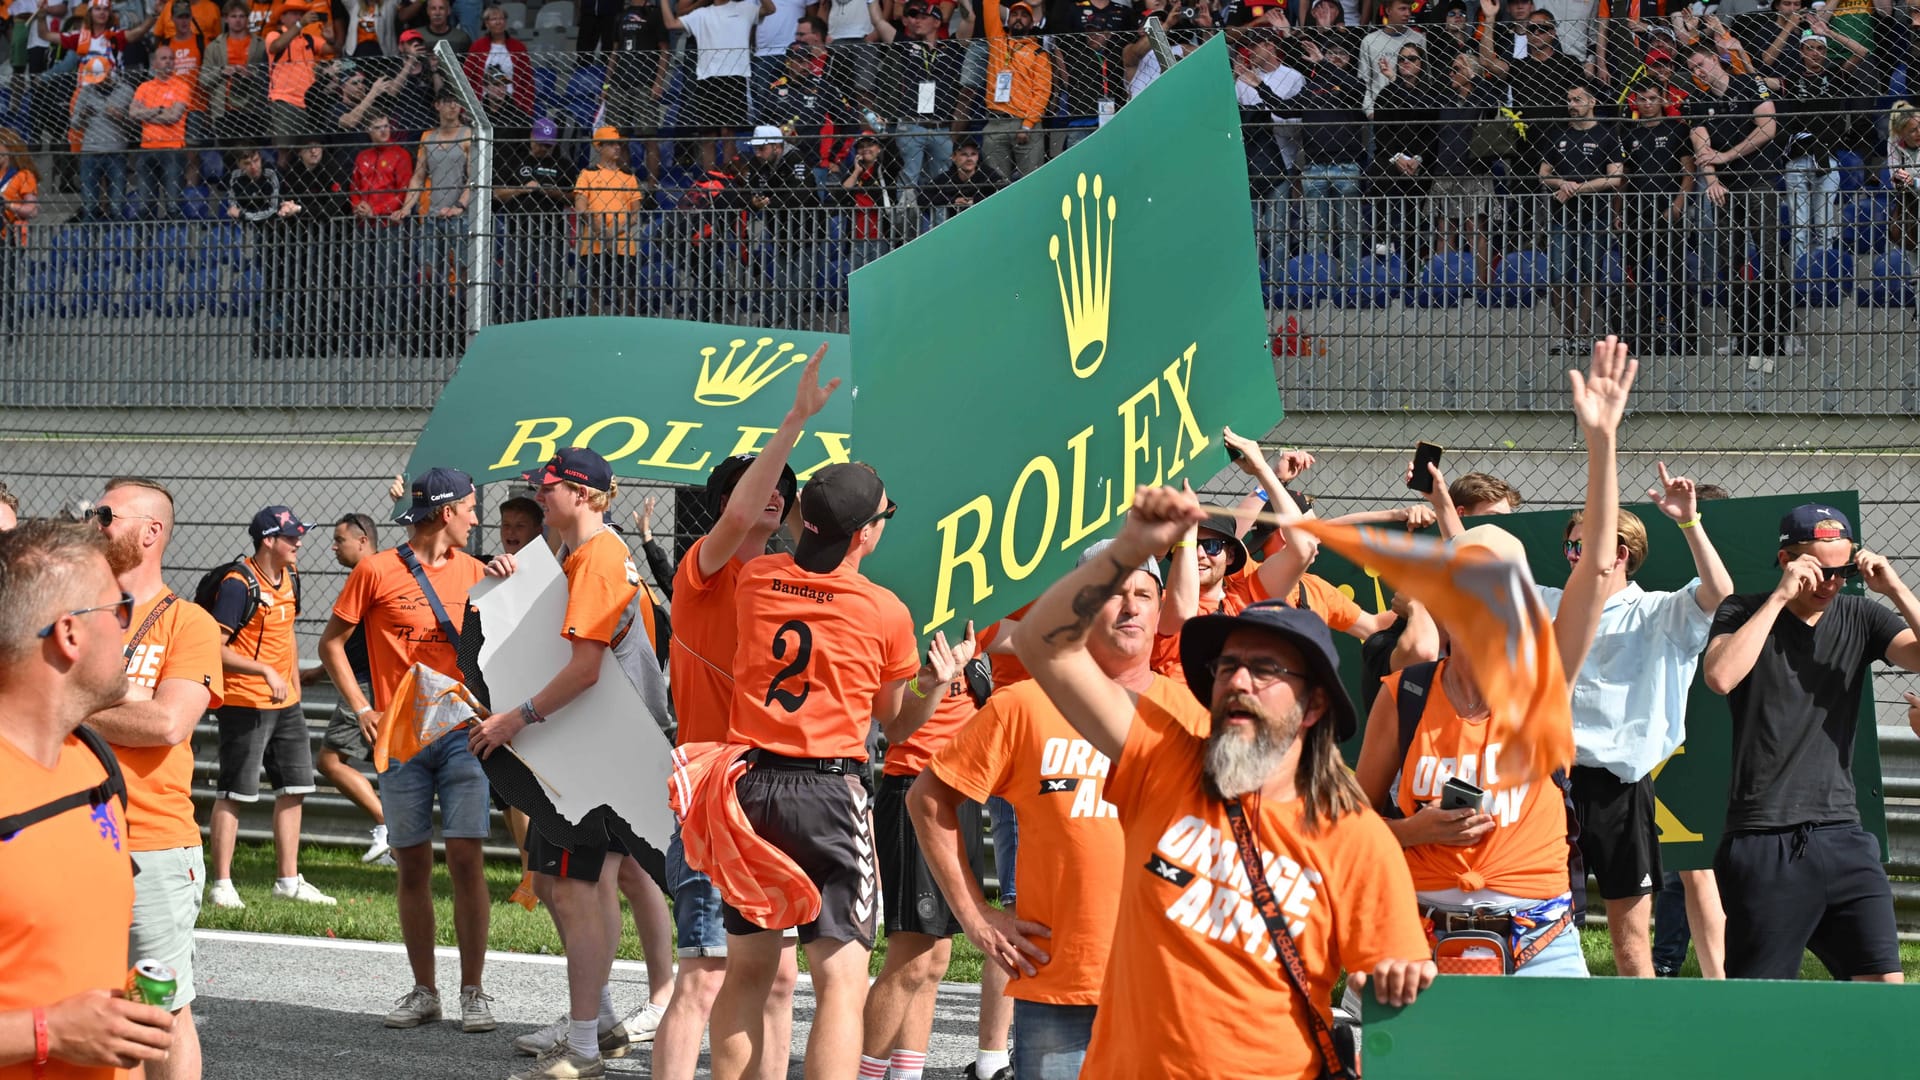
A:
1212, 545
1262, 673
122, 610
1539, 28
884, 515
105, 516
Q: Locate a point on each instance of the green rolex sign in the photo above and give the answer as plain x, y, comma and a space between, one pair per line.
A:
1113, 323
660, 399
1692, 784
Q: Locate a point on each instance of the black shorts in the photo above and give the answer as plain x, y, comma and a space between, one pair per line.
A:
580, 864
718, 102
1618, 838
912, 901
1818, 887
822, 821
276, 738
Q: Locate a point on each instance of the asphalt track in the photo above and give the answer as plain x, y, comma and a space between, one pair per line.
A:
275, 1007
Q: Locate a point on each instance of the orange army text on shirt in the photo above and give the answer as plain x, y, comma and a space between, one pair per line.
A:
813, 652
66, 894
1020, 748
267, 637
381, 595
1194, 937
700, 663
1526, 853
182, 643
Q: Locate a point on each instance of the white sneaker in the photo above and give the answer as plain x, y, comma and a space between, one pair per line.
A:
476, 1010
222, 894
415, 1007
385, 859
1795, 345
642, 1022
613, 1040
302, 892
379, 847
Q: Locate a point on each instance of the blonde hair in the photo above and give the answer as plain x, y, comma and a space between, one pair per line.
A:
1633, 534
1902, 116
597, 501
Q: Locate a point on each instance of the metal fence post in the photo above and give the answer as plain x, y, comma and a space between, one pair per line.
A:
480, 205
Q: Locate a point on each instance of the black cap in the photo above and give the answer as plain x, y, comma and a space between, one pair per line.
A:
726, 476
432, 490
577, 465
1814, 521
836, 504
276, 521
1236, 551
1202, 638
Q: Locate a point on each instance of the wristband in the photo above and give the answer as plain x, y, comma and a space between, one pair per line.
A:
1691, 524
528, 714
42, 1045
913, 684
1178, 544
364, 712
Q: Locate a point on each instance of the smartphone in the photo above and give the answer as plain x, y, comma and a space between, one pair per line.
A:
1457, 794
1424, 454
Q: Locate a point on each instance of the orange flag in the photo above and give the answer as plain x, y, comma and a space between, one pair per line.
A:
1494, 616
425, 706
754, 877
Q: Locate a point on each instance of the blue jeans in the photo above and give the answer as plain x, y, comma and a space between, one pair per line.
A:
1006, 845
103, 174
1813, 188
1670, 930
1332, 196
445, 767
924, 151
766, 70
467, 14
1561, 959
1050, 1041
159, 173
698, 927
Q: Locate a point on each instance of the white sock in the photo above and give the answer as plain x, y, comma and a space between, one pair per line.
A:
907, 1065
288, 883
583, 1037
872, 1068
608, 1017
990, 1062
379, 834
227, 881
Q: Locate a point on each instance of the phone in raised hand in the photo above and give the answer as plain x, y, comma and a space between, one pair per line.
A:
1424, 454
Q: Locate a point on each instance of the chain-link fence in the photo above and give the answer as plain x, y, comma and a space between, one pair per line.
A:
264, 311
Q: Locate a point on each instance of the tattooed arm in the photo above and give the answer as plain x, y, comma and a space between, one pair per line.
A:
1051, 639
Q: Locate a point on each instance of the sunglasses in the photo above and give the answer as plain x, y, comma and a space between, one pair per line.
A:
105, 516
1574, 545
1539, 28
1849, 570
122, 611
884, 515
1214, 546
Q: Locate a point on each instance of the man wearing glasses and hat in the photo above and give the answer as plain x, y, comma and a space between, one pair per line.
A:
1796, 870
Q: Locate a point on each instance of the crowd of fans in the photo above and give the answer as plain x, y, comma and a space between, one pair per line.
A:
1736, 148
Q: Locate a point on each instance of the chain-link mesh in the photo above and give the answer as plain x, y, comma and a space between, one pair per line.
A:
163, 316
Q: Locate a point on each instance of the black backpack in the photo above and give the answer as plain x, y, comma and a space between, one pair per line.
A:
1411, 698
113, 787
208, 590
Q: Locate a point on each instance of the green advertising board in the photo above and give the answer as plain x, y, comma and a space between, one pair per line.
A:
1111, 323
1465, 1027
660, 399
1692, 784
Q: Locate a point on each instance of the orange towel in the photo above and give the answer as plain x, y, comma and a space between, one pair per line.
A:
425, 705
753, 876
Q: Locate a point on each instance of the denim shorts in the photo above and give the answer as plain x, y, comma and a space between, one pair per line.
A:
698, 928
166, 904
1006, 845
445, 767
1051, 1040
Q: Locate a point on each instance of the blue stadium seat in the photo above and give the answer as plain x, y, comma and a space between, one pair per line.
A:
1378, 280
1891, 283
1522, 277
1853, 171
1445, 280
1863, 222
1820, 278
1306, 281
247, 286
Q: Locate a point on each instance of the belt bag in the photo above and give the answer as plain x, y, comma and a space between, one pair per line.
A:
1485, 943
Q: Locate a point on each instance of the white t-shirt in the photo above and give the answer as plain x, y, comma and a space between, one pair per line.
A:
849, 19
778, 29
1149, 69
500, 60
24, 9
724, 33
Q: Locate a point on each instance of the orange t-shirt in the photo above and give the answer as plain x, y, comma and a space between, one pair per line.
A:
1526, 853
601, 583
1007, 668
291, 74
813, 652
184, 643
159, 94
700, 656
1245, 588
20, 187
381, 595
911, 754
609, 198
66, 894
268, 638
1192, 934
1020, 748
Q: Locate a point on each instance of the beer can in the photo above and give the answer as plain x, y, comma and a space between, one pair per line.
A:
151, 982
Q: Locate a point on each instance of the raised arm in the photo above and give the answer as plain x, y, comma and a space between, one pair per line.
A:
756, 485
1599, 402
1675, 497
1730, 657
929, 688
1052, 640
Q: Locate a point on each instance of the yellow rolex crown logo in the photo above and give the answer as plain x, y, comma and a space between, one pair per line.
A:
734, 382
1086, 281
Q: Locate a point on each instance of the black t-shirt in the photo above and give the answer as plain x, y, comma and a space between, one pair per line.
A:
1822, 113
925, 75
1376, 662
1794, 714
1583, 155
517, 167
356, 648
1540, 86
1728, 119
641, 36
1655, 155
